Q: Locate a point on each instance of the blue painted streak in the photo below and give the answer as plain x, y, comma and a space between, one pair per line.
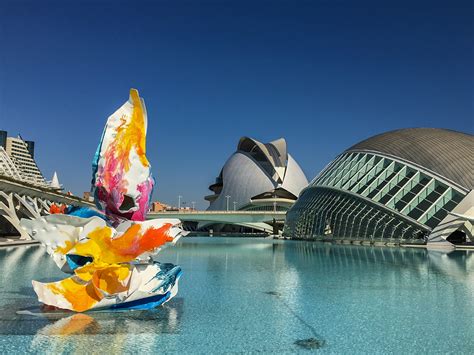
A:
144, 303
75, 261
149, 302
86, 212
168, 276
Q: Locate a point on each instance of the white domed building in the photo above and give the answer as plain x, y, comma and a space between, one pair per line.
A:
409, 186
258, 176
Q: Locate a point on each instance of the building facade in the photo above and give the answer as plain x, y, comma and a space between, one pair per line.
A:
157, 206
17, 160
396, 187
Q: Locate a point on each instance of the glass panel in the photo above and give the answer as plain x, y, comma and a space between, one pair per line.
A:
416, 213
381, 185
362, 169
412, 182
392, 192
436, 218
366, 173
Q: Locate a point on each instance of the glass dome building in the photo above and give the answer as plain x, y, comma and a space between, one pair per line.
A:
402, 186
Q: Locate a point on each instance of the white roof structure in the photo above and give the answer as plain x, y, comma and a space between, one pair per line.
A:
255, 170
55, 182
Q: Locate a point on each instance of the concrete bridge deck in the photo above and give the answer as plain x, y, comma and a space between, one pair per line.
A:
237, 217
23, 200
9, 185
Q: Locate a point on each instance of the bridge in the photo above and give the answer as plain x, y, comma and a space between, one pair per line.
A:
20, 199
24, 200
263, 220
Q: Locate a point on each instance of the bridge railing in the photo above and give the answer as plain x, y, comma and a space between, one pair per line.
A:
218, 212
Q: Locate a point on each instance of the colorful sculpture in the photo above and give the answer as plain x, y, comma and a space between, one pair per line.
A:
121, 180
110, 252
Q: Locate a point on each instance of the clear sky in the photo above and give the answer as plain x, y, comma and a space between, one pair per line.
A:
322, 74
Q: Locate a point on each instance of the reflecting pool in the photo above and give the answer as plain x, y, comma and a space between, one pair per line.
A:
257, 295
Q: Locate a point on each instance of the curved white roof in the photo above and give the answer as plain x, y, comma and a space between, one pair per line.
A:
256, 168
242, 179
295, 180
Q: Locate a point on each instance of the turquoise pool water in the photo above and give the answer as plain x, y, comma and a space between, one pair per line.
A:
256, 295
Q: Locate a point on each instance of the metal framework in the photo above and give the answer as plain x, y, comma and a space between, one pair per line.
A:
13, 207
19, 200
370, 196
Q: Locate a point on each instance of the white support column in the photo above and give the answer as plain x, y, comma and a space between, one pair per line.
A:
385, 227
376, 228
370, 221
45, 204
362, 220
8, 211
357, 215
33, 213
340, 210
34, 203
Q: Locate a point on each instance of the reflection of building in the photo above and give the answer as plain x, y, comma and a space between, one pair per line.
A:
17, 160
398, 186
257, 177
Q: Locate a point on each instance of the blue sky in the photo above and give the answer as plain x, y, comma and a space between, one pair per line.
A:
322, 74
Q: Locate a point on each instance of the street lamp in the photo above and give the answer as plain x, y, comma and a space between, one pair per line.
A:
227, 197
235, 203
194, 204
179, 202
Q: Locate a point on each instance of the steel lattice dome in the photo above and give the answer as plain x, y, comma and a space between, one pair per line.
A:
446, 153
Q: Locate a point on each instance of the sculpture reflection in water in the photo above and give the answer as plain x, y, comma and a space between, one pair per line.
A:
110, 251
116, 327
